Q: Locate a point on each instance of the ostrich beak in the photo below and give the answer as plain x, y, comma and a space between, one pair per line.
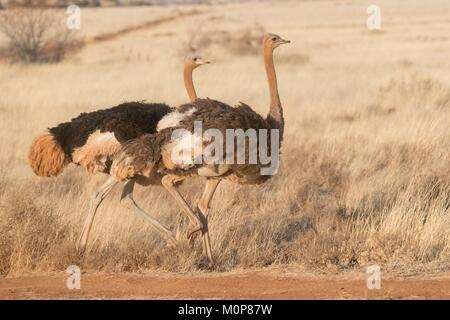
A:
202, 62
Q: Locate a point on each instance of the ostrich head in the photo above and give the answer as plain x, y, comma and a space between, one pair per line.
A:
273, 41
195, 62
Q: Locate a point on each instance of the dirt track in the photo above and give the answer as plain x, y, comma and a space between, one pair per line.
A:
253, 285
108, 36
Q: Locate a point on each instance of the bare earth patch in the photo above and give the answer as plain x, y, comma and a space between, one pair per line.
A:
248, 285
108, 36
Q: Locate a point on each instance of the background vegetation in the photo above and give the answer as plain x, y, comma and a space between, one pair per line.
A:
365, 173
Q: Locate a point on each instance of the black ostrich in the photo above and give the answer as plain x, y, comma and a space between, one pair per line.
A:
91, 139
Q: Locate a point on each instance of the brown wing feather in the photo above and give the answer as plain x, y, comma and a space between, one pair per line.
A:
138, 156
141, 155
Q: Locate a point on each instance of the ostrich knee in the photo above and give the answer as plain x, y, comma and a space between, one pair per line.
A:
204, 208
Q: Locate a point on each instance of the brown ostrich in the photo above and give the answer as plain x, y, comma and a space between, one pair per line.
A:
152, 154
91, 139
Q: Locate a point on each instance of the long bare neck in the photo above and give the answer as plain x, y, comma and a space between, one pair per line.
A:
275, 116
188, 83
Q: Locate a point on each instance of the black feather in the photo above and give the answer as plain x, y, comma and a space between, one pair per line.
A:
127, 121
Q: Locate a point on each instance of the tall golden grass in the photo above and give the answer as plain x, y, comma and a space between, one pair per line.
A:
365, 172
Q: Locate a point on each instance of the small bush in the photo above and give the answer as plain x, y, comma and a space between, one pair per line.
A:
36, 35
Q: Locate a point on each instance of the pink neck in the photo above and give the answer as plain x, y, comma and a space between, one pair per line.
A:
188, 83
275, 115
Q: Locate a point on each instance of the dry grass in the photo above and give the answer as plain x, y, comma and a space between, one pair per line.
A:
365, 174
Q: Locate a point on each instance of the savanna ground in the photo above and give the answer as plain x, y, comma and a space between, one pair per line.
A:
365, 165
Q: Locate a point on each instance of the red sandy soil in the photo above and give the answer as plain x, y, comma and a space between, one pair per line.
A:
248, 285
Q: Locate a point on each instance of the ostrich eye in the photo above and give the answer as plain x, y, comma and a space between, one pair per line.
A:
274, 39
195, 59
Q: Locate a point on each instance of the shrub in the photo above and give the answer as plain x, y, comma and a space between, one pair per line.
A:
36, 35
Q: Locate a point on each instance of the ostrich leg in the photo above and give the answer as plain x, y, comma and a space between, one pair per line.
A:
168, 182
128, 201
97, 198
203, 207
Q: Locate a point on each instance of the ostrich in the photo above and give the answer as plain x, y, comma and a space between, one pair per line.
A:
91, 139
153, 152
